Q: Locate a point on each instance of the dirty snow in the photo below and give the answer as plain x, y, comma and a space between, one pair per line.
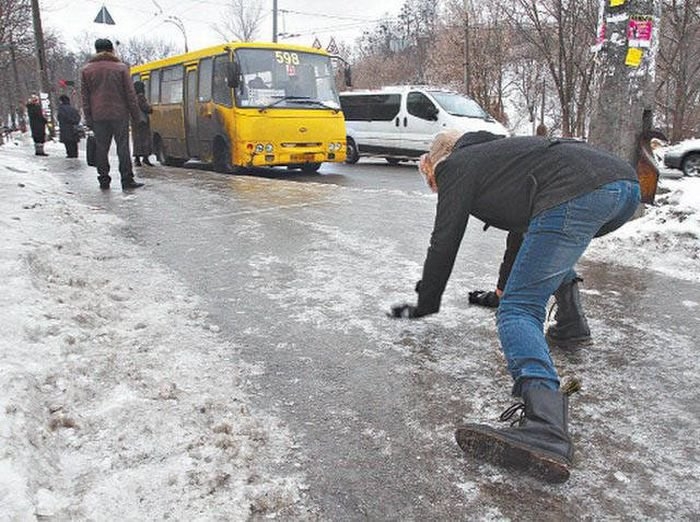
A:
120, 400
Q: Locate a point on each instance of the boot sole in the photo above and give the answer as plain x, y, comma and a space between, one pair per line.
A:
573, 342
491, 446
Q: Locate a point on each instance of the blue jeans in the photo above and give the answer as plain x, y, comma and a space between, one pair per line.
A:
555, 240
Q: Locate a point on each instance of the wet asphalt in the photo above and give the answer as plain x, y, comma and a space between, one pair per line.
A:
297, 271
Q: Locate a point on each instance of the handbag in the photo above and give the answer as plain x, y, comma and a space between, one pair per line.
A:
90, 149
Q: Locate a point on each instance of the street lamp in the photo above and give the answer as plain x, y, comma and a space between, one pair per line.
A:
172, 19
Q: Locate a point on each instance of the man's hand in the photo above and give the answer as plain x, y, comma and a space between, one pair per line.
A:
485, 298
403, 311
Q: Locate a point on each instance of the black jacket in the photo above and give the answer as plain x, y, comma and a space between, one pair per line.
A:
68, 118
504, 183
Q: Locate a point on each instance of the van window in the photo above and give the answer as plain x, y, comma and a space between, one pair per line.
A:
370, 107
420, 106
459, 105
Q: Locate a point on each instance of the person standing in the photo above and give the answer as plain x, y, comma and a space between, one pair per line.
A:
141, 130
37, 124
560, 194
109, 99
68, 119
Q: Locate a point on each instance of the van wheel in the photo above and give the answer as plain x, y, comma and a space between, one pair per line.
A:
351, 155
392, 161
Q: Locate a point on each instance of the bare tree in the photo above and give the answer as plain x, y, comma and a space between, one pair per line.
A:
485, 59
241, 20
560, 33
136, 51
17, 62
678, 76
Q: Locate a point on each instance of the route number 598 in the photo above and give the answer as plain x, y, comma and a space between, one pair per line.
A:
287, 58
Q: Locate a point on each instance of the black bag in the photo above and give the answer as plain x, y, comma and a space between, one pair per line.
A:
90, 150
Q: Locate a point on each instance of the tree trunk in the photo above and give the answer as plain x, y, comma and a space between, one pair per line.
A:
626, 67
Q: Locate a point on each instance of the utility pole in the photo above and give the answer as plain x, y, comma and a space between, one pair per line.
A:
274, 20
467, 78
41, 56
628, 40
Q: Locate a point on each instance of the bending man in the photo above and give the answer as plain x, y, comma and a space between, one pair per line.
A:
560, 193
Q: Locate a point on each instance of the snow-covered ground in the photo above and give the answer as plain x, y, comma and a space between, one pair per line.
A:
119, 400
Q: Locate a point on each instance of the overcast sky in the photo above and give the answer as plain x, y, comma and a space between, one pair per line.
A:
306, 18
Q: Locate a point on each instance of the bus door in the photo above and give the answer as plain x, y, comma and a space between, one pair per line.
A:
191, 126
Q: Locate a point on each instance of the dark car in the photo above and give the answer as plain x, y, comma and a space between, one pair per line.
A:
685, 156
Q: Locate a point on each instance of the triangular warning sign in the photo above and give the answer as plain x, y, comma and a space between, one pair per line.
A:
317, 44
332, 46
103, 17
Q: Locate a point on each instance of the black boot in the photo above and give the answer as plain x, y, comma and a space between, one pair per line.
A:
539, 444
147, 162
129, 184
137, 161
104, 182
571, 327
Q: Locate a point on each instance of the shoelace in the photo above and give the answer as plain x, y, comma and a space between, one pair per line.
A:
571, 386
515, 409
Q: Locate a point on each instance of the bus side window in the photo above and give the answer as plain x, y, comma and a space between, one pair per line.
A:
171, 84
155, 86
222, 92
205, 79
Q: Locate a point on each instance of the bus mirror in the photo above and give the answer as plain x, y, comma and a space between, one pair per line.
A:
234, 74
348, 76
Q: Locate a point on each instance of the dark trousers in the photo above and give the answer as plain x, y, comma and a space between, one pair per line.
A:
104, 131
71, 148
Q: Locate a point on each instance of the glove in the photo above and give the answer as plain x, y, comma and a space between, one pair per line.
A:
485, 298
403, 311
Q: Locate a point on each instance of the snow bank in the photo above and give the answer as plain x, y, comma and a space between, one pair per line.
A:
666, 238
119, 399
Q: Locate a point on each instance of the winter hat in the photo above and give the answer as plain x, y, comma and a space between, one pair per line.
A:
103, 44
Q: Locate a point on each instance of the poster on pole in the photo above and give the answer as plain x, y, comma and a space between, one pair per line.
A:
639, 29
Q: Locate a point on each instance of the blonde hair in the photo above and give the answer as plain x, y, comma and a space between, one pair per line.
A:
442, 146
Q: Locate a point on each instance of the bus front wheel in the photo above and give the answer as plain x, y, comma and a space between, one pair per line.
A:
351, 155
222, 157
310, 167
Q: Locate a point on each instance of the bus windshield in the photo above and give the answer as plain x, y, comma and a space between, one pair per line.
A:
285, 79
459, 105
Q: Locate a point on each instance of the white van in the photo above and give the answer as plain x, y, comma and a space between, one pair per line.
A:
399, 122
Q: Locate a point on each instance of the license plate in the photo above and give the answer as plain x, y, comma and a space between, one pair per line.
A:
307, 156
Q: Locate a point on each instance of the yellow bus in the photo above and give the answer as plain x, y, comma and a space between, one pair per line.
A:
244, 104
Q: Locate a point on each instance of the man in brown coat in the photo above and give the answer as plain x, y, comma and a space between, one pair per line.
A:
108, 101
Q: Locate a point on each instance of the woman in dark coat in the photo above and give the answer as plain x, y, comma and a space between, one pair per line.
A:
141, 131
68, 118
37, 123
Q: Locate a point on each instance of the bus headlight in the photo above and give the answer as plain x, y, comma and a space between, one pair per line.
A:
259, 148
338, 146
269, 147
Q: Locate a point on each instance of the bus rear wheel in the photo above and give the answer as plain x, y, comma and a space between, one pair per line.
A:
161, 156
